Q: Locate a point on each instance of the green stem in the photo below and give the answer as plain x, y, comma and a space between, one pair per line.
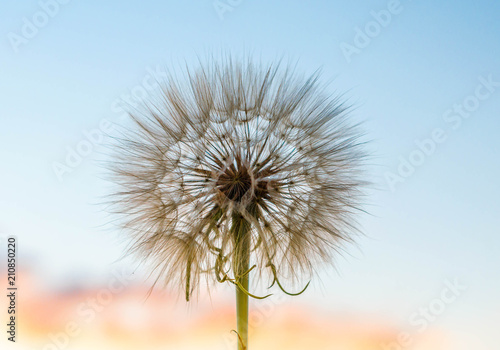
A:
242, 314
241, 231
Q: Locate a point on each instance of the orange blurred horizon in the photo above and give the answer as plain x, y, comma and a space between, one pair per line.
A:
117, 315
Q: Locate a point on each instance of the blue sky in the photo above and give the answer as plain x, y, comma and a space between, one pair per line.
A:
440, 222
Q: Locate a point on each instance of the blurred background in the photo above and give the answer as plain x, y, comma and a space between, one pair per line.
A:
424, 77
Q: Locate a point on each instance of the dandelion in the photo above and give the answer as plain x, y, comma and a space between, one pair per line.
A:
240, 170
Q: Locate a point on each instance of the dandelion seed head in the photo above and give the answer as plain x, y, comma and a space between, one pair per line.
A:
238, 140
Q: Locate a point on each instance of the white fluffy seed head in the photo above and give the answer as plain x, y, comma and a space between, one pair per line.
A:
237, 136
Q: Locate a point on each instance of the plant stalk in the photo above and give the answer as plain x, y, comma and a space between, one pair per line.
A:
241, 230
242, 313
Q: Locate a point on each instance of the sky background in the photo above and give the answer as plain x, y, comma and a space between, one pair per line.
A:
66, 74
